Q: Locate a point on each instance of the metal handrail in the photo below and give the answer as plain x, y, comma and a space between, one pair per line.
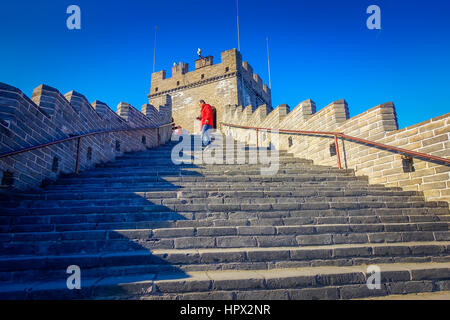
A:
343, 136
78, 138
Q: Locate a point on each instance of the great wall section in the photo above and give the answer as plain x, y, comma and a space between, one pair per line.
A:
378, 124
141, 227
50, 116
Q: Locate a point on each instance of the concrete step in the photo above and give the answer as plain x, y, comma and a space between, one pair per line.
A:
296, 283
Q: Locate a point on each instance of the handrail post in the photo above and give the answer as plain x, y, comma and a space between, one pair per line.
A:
337, 151
257, 137
77, 163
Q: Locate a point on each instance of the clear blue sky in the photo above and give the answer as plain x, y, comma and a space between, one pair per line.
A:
320, 49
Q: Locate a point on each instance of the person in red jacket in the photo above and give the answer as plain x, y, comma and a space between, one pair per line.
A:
206, 118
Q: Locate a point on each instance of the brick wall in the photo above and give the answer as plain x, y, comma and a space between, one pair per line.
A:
50, 116
378, 124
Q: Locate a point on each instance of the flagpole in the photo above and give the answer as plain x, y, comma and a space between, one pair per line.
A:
237, 20
268, 61
154, 52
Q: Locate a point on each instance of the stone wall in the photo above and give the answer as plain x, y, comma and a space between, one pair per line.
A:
232, 81
378, 124
49, 116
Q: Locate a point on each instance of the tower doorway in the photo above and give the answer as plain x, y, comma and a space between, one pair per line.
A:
214, 116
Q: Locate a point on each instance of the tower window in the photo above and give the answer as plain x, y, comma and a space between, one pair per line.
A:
203, 76
408, 164
7, 178
144, 140
117, 145
156, 89
332, 149
290, 143
55, 164
89, 154
227, 69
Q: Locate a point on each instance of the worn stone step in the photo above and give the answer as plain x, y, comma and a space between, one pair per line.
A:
217, 186
225, 207
296, 283
197, 165
309, 211
14, 268
102, 241
144, 218
336, 192
220, 177
243, 197
203, 172
140, 221
292, 230
353, 186
212, 160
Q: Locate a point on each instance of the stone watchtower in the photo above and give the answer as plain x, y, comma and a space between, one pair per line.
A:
231, 82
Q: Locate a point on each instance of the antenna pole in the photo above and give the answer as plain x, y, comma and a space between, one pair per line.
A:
237, 20
268, 61
154, 52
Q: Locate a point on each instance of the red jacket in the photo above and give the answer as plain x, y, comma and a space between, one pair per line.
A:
206, 114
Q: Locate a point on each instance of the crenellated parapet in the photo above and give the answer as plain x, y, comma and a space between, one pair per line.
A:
253, 82
378, 124
49, 116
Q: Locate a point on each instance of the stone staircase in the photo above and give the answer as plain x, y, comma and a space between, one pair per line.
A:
144, 228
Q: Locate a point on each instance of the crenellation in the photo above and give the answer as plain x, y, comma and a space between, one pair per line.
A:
260, 113
231, 58
237, 114
77, 101
247, 67
151, 112
46, 98
258, 81
100, 107
247, 113
180, 69
340, 111
124, 110
204, 62
159, 75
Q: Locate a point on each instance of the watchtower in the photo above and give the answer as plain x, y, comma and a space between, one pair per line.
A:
230, 82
